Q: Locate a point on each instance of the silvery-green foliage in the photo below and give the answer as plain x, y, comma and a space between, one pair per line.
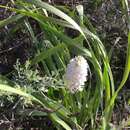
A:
32, 81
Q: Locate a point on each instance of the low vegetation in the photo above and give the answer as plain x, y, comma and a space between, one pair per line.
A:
49, 87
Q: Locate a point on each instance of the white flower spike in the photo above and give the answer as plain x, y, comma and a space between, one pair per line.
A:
76, 74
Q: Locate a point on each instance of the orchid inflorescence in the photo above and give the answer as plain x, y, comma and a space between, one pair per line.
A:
76, 74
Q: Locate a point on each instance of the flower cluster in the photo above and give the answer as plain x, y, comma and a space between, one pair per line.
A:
76, 74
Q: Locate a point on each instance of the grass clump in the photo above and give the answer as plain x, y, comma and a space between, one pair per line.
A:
44, 87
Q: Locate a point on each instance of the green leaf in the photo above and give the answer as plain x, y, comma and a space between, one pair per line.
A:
10, 20
57, 12
47, 53
60, 121
19, 91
